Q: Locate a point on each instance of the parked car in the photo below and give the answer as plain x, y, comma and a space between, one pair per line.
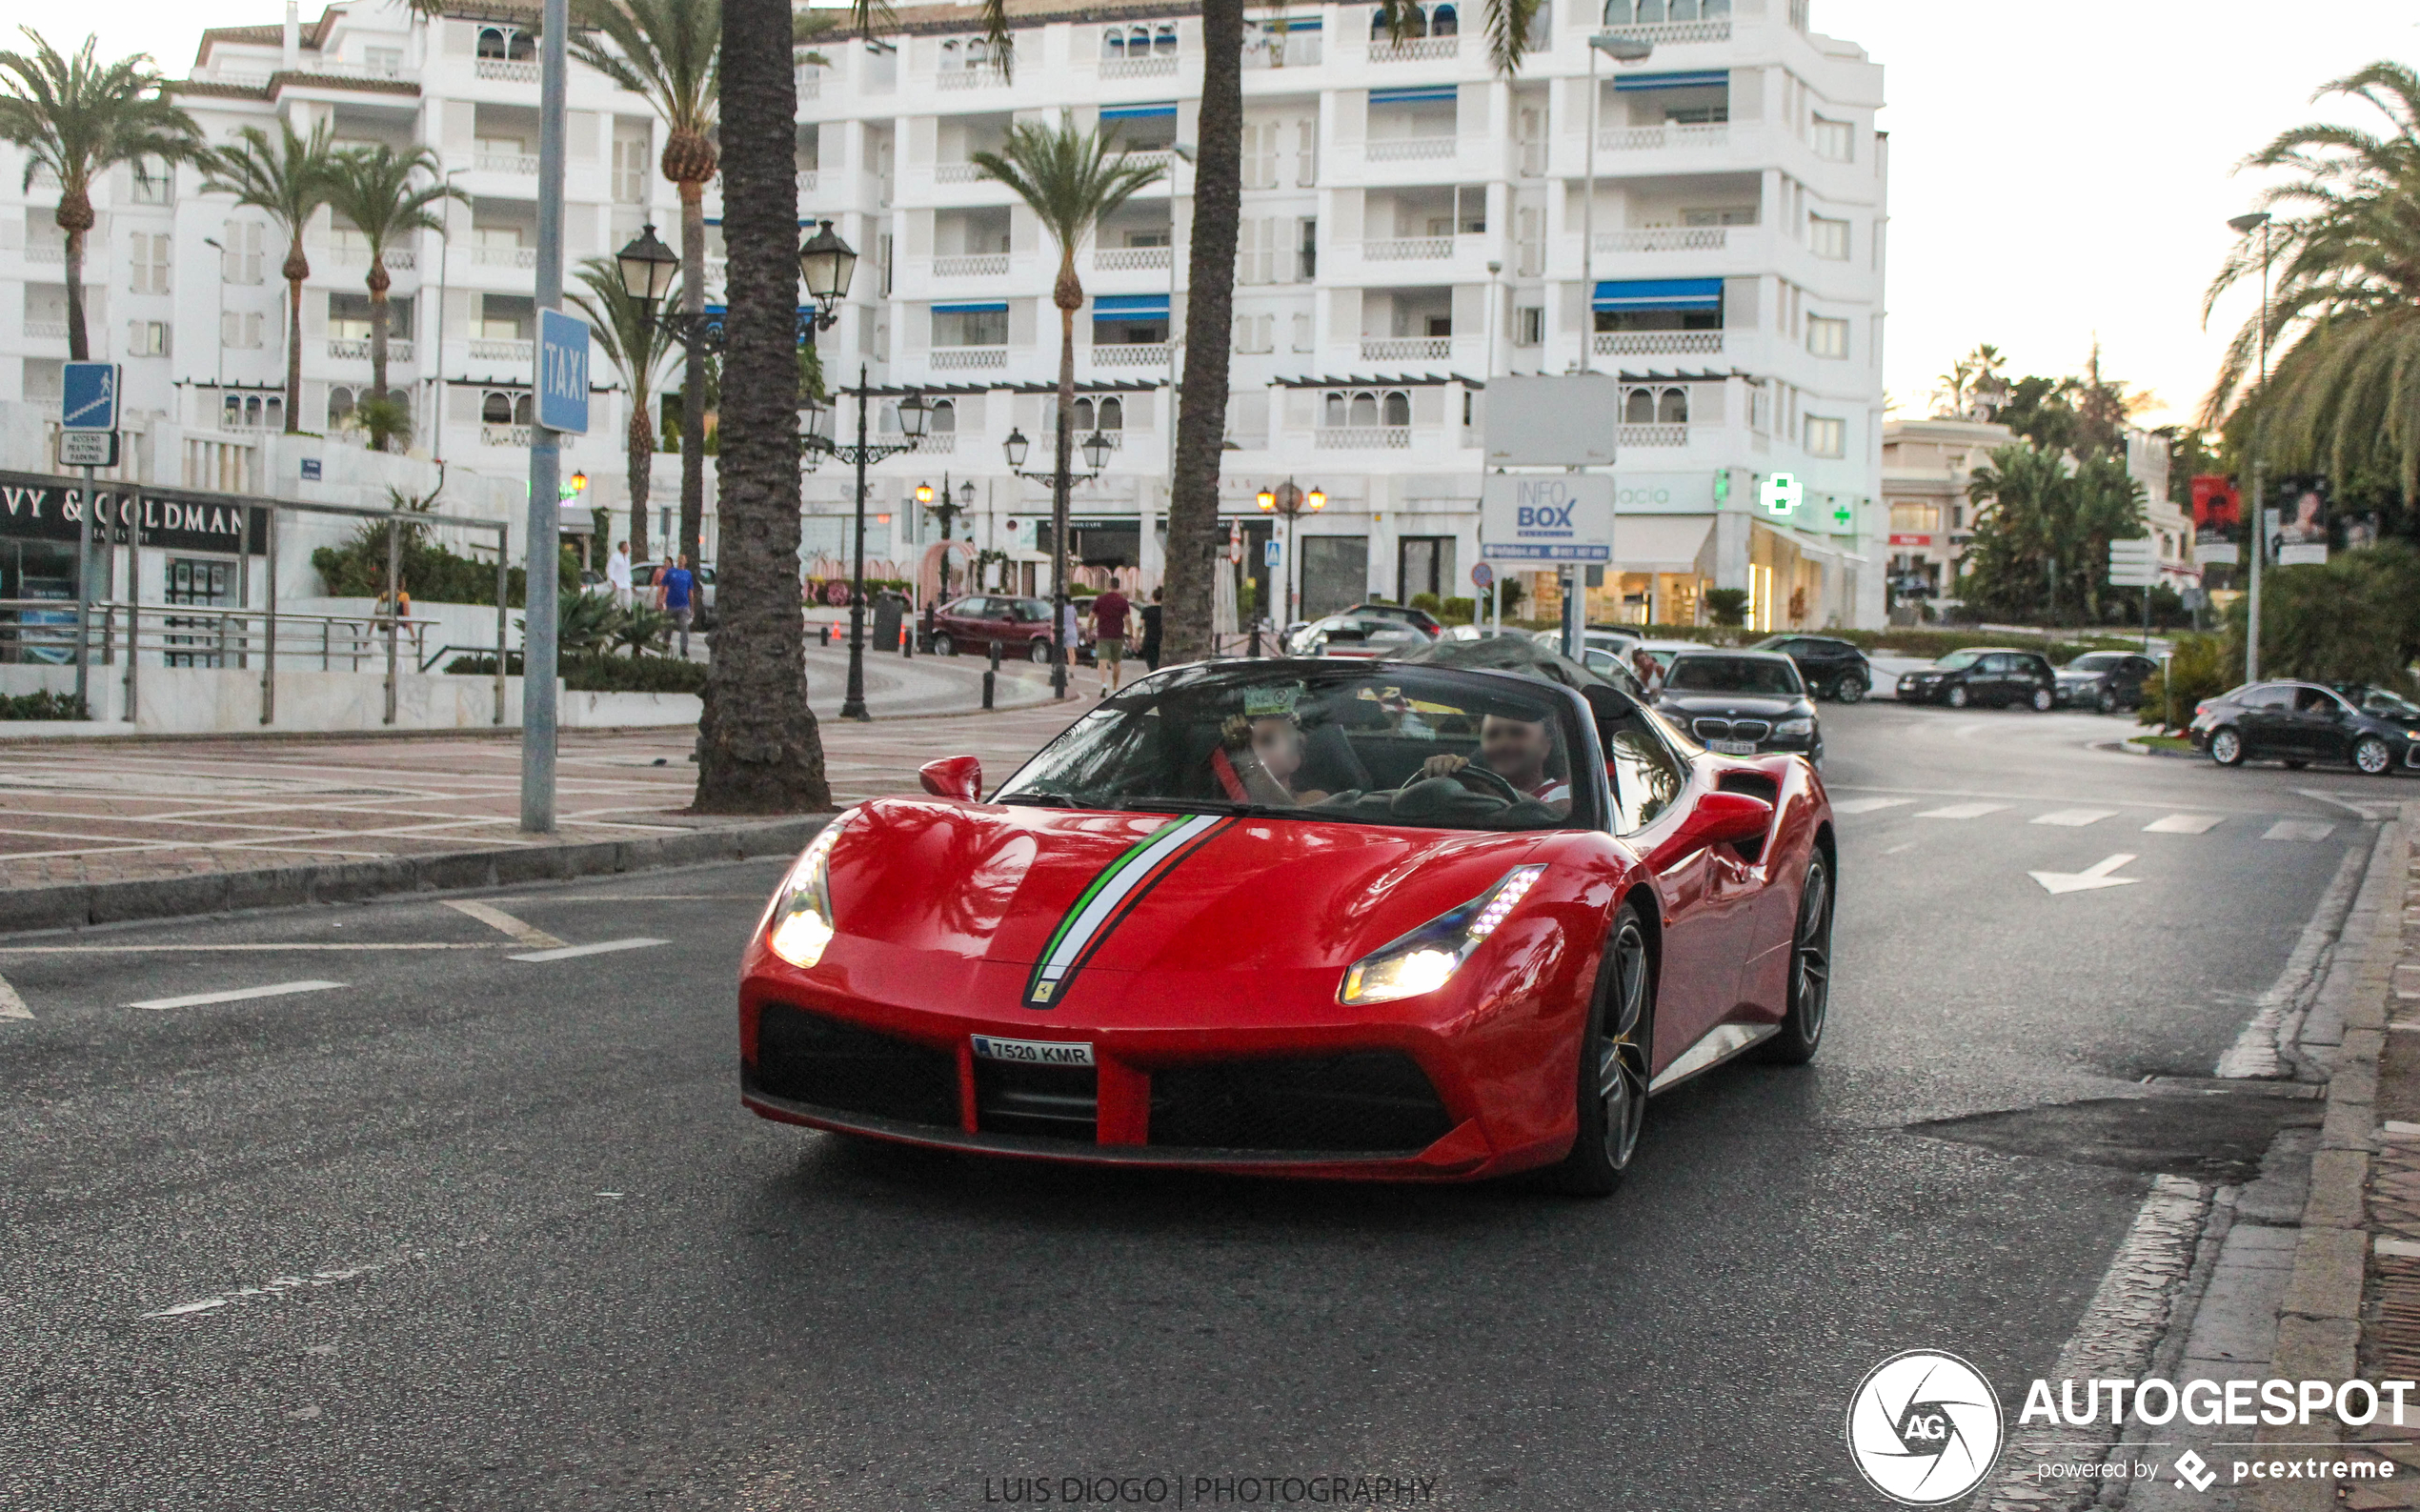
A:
642, 585
2106, 680
1520, 654
1428, 624
1358, 635
1021, 626
2375, 729
1831, 666
1603, 637
1741, 702
1988, 676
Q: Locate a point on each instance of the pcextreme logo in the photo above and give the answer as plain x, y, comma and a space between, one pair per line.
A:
1923, 1428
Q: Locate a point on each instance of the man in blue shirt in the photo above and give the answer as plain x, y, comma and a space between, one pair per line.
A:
675, 594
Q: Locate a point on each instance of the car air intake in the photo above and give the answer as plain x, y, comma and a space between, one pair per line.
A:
1364, 1102
825, 1063
1054, 1103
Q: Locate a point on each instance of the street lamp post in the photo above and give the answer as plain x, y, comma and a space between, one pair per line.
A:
1095, 449
913, 410
2256, 536
1290, 504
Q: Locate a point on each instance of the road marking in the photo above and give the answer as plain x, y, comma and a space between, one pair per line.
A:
2095, 875
197, 999
11, 1006
601, 947
497, 918
2075, 819
1867, 805
1896, 849
276, 1287
2184, 824
2298, 829
1962, 810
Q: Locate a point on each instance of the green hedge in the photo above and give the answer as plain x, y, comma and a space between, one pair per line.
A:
43, 705
602, 673
430, 573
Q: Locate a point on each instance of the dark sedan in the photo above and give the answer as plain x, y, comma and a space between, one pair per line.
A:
1741, 702
1985, 676
1831, 666
2106, 680
2373, 730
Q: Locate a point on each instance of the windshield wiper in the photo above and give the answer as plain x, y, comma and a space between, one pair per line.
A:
1250, 811
1046, 800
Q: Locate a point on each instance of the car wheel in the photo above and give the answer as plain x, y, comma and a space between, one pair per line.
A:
943, 645
2226, 748
1038, 652
1811, 989
1850, 689
2108, 700
2042, 700
1958, 699
2372, 756
1615, 1053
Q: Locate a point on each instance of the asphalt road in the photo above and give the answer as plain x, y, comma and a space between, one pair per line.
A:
467, 1231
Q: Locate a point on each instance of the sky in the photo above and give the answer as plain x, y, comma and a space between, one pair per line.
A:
2062, 170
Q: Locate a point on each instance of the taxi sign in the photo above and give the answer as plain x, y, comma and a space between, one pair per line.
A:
562, 371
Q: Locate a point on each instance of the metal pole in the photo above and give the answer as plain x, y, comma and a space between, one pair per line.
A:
2258, 533
503, 585
134, 599
853, 702
1062, 441
395, 606
1588, 232
84, 598
269, 648
544, 540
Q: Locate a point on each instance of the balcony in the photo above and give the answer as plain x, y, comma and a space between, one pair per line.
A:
978, 265
1410, 149
398, 259
504, 256
1658, 343
356, 348
485, 349
507, 70
1161, 64
809, 85
46, 252
1674, 31
946, 358
1135, 354
504, 435
957, 173
1129, 259
1159, 157
1406, 349
1296, 50
1630, 436
1408, 250
1363, 438
807, 178
974, 78
521, 165
1415, 50
1664, 238
937, 443
46, 330
1655, 138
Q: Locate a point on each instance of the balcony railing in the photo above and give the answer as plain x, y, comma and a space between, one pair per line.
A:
938, 443
511, 71
1363, 438
504, 435
46, 252
1652, 436
1415, 50
521, 164
1296, 50
1126, 259
955, 174
968, 78
970, 357
975, 265
1159, 157
1409, 148
1672, 133
504, 256
1158, 65
807, 178
1132, 354
809, 85
1674, 31
356, 348
1658, 343
46, 330
399, 258
1664, 238
488, 350
1406, 349
1407, 248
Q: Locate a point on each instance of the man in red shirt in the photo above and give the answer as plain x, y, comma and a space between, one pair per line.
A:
1109, 634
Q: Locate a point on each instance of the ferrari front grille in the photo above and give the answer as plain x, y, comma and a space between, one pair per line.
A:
823, 1063
1362, 1103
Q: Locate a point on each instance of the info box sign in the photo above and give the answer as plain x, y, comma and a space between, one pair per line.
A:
1552, 519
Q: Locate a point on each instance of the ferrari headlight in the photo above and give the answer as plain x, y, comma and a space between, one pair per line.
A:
1427, 957
801, 916
1794, 727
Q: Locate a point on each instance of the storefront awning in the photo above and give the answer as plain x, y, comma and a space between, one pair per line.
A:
1426, 94
974, 306
1129, 307
1660, 293
1659, 543
1138, 113
1671, 81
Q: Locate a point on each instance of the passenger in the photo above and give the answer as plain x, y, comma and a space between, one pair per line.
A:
1262, 755
1515, 749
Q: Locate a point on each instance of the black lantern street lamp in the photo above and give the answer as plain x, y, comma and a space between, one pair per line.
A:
814, 444
1290, 504
825, 266
1095, 450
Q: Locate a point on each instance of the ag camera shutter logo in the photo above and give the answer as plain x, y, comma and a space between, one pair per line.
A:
1924, 1427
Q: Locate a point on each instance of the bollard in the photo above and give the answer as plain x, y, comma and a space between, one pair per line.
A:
907, 640
987, 688
826, 628
996, 655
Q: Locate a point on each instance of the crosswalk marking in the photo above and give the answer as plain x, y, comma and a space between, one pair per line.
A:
1867, 805
197, 999
2298, 829
601, 947
2074, 819
11, 1006
2182, 825
497, 918
1962, 810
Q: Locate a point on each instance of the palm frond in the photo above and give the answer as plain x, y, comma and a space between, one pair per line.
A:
77, 116
374, 187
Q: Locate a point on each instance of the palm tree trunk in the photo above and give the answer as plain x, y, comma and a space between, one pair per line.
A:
693, 371
758, 750
78, 349
1192, 504
378, 282
294, 353
641, 453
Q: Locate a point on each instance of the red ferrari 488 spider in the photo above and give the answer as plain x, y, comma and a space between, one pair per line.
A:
1306, 917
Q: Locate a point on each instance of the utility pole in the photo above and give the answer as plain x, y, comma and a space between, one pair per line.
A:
2257, 532
544, 535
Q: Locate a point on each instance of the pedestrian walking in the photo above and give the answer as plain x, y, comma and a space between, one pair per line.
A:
676, 591
1109, 634
618, 574
1151, 631
1071, 630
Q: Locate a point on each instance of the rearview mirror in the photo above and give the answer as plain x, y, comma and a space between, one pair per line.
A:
957, 776
1718, 818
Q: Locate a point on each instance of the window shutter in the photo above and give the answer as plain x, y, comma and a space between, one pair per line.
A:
1269, 233
1306, 152
1246, 242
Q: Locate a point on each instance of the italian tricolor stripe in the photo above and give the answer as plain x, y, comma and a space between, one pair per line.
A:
1116, 891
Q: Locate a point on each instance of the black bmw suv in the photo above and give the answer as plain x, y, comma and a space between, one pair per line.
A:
2375, 729
1741, 702
1833, 668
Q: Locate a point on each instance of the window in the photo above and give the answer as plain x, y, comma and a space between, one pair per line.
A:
1260, 155
506, 42
151, 182
970, 328
1719, 215
630, 170
1306, 252
1826, 338
1529, 326
1301, 332
1444, 23
245, 248
386, 61
502, 407
1827, 237
148, 257
239, 331
943, 419
340, 402
1913, 519
1113, 415
251, 411
1649, 12
1364, 407
1826, 437
146, 338
1256, 333
1836, 140
1307, 152
1646, 777
1656, 406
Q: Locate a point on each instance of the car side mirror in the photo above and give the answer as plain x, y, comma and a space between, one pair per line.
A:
957, 776
1718, 818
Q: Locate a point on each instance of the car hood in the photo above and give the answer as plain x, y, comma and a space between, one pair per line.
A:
993, 882
1749, 706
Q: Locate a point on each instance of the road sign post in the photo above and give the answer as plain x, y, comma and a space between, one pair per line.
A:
87, 438
2135, 564
554, 365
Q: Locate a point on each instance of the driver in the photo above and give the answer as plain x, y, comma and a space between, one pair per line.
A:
1265, 754
1515, 749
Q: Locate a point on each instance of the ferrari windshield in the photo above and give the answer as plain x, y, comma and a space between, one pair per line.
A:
1775, 676
1426, 748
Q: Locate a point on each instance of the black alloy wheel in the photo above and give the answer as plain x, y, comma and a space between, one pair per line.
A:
1811, 989
1616, 1048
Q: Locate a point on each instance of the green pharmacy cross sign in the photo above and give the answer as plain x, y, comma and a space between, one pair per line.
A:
1780, 494
1844, 513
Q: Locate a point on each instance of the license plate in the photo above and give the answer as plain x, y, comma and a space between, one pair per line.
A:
1032, 1052
1732, 746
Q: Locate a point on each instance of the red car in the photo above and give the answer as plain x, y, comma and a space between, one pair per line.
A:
1306, 917
1021, 626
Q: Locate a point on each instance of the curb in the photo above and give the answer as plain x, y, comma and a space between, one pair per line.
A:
75, 905
2319, 1322
2137, 747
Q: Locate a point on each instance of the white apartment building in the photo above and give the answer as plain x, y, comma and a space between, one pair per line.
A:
1412, 224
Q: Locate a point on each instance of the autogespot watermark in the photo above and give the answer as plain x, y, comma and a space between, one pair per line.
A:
1269, 1489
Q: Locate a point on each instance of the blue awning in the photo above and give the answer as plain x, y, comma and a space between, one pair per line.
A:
1137, 112
1660, 293
1425, 95
974, 307
1129, 307
1671, 81
1291, 23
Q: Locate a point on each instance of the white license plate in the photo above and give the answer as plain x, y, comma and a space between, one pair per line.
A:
1732, 746
1032, 1052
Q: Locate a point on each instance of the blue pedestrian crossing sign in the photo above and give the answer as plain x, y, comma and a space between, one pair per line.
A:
562, 371
87, 397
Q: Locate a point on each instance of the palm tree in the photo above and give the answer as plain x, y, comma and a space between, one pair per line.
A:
374, 188
637, 344
1072, 180
290, 181
78, 117
2344, 396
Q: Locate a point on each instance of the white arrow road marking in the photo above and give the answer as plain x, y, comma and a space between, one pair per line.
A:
2097, 874
497, 918
11, 1006
1867, 805
2182, 825
567, 952
2298, 829
2075, 819
278, 989
1962, 810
